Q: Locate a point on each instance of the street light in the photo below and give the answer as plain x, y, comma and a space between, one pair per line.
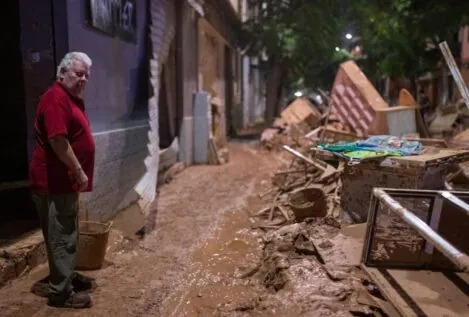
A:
348, 36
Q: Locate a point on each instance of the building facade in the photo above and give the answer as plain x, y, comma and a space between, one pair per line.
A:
150, 59
115, 35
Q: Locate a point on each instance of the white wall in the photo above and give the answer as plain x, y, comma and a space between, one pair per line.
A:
253, 92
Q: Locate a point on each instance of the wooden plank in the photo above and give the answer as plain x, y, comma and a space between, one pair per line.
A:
366, 298
301, 110
424, 293
213, 152
389, 292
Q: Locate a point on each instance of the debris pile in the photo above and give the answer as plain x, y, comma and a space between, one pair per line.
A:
309, 246
309, 188
354, 110
339, 154
292, 267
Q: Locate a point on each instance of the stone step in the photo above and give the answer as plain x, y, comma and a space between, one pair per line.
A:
19, 257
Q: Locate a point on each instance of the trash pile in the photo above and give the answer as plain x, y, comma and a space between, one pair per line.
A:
357, 125
310, 244
339, 154
308, 188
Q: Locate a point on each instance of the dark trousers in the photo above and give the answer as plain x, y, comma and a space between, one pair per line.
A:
58, 215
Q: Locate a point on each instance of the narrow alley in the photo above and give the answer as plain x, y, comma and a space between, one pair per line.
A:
151, 278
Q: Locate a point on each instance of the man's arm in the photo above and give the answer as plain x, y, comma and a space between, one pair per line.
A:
64, 151
57, 115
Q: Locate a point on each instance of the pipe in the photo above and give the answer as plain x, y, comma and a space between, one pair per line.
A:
304, 158
461, 260
456, 201
455, 71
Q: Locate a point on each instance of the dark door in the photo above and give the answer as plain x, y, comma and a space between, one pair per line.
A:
30, 51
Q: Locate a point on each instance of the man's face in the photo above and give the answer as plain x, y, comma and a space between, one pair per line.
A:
75, 78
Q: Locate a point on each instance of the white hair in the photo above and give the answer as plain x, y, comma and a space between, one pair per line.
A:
68, 60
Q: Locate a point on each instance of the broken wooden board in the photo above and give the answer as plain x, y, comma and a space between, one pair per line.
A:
406, 99
213, 158
301, 110
423, 293
365, 298
346, 249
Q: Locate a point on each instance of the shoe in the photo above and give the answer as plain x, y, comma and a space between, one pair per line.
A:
41, 288
80, 283
83, 283
75, 300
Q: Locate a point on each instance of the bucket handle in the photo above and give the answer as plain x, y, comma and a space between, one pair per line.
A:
109, 226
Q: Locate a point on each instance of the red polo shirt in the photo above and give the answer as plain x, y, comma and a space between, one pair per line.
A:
60, 113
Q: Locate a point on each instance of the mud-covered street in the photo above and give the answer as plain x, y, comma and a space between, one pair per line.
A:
235, 158
206, 257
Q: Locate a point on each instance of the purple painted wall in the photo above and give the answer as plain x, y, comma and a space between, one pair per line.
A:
118, 86
117, 105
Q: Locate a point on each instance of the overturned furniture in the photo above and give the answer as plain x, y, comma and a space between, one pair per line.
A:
425, 171
359, 106
355, 100
416, 250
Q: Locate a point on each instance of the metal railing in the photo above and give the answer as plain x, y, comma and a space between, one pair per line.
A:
388, 219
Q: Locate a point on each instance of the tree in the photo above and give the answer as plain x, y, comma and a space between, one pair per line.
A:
401, 37
300, 38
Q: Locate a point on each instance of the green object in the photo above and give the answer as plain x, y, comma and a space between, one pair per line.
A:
340, 147
360, 155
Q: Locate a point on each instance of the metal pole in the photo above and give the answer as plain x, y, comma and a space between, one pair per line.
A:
304, 158
461, 260
456, 201
453, 67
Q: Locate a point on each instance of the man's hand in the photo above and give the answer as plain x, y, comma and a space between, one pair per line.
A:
81, 179
65, 153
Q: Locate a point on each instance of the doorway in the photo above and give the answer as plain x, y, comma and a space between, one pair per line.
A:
30, 50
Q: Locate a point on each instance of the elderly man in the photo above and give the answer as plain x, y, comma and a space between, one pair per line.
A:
62, 166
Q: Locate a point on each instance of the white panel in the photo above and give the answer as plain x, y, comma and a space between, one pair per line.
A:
402, 122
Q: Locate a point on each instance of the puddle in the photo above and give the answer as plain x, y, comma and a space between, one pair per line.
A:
213, 288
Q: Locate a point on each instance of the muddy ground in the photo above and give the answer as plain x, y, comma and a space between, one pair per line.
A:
206, 257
